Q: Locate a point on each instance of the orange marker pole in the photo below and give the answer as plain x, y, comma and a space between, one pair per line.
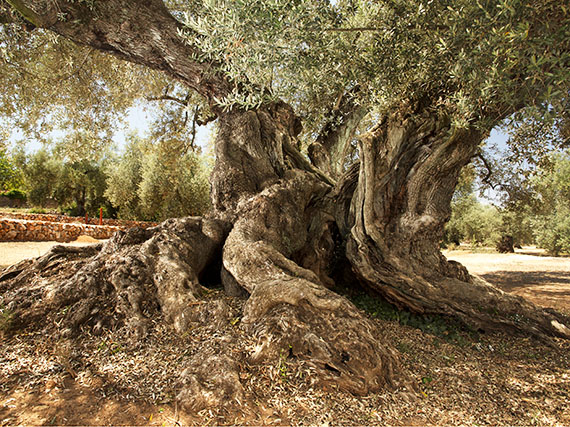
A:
100, 216
86, 218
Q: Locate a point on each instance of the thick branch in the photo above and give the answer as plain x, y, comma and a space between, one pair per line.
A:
143, 32
26, 12
329, 151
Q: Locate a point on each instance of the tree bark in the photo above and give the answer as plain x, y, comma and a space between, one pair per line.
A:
408, 172
277, 227
329, 152
278, 251
143, 32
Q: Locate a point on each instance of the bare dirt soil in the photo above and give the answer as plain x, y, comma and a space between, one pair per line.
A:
528, 272
462, 378
14, 252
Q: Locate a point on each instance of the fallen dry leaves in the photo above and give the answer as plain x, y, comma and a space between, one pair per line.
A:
494, 380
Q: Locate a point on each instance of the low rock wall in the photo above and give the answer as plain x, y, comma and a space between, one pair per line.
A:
78, 220
20, 230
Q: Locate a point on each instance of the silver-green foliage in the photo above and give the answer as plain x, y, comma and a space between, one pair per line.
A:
474, 222
50, 83
552, 220
10, 175
539, 212
478, 59
41, 171
76, 186
156, 182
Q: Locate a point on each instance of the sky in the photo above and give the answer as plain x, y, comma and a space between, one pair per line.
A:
139, 118
138, 121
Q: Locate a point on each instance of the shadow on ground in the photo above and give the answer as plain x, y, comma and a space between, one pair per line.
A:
545, 288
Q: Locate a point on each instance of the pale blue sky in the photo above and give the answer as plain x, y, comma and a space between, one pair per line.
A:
138, 120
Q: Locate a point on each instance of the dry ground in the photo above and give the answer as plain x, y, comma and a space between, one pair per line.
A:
491, 379
13, 252
528, 272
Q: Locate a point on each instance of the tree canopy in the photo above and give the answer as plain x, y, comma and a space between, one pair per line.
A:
482, 59
54, 84
477, 61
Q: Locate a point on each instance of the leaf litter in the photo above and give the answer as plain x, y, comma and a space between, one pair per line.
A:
493, 379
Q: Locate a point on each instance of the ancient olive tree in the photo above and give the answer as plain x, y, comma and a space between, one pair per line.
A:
295, 85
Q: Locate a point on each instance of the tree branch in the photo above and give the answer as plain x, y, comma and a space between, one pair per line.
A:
193, 130
330, 148
144, 32
183, 102
27, 13
487, 178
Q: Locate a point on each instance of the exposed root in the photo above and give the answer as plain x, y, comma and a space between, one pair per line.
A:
305, 321
477, 303
211, 381
135, 277
142, 281
409, 167
290, 313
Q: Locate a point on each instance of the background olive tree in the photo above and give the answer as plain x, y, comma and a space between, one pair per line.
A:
156, 182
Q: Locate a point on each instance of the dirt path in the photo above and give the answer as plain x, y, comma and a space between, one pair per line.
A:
543, 280
13, 252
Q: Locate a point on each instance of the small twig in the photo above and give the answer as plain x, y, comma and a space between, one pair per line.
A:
183, 102
194, 120
486, 179
346, 30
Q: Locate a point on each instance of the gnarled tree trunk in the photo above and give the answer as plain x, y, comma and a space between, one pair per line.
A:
277, 226
408, 172
269, 239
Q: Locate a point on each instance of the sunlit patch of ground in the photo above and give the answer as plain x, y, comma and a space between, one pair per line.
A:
14, 252
528, 272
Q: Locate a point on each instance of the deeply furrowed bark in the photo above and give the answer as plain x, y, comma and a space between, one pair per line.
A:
408, 172
283, 216
278, 251
331, 148
128, 280
289, 309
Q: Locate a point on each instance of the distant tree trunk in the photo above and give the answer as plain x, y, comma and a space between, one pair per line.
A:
80, 200
506, 244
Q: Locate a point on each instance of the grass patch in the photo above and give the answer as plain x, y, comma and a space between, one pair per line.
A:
443, 327
37, 211
6, 319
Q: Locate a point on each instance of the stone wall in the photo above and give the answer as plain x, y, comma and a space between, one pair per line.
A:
21, 230
79, 220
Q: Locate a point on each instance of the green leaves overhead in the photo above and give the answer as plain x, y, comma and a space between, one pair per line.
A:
481, 60
267, 48
51, 84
